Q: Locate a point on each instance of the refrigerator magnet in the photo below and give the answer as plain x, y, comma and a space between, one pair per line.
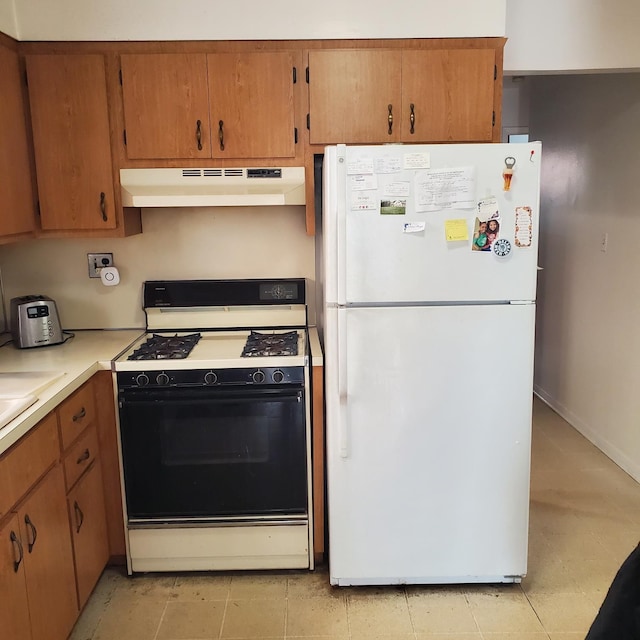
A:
502, 248
524, 226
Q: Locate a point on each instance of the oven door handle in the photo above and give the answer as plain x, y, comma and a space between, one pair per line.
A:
207, 394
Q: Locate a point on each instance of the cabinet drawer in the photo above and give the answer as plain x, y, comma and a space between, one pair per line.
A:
27, 461
76, 413
80, 456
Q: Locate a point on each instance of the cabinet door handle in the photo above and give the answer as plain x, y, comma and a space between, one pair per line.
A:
221, 134
34, 533
103, 206
199, 134
16, 543
86, 454
79, 516
390, 119
81, 414
412, 118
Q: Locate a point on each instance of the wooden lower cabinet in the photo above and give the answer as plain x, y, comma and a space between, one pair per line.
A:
88, 530
48, 559
14, 606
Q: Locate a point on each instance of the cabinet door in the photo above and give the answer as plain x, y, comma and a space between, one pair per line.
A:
351, 94
251, 101
14, 607
451, 93
16, 183
89, 531
166, 105
44, 530
70, 121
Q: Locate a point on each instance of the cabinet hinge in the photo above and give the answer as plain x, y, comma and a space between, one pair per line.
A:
120, 76
495, 72
295, 135
308, 122
493, 119
124, 137
295, 75
307, 74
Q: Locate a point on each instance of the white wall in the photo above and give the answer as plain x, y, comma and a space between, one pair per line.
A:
588, 329
177, 243
257, 19
572, 35
8, 18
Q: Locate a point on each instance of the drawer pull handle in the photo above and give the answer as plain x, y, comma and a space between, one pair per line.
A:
79, 516
390, 118
199, 134
86, 454
412, 118
34, 533
16, 543
81, 414
221, 134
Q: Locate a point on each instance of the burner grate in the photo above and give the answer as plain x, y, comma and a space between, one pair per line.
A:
271, 344
159, 347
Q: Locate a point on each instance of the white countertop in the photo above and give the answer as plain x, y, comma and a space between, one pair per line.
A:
78, 359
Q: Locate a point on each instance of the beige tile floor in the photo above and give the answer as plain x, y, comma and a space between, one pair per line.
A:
585, 520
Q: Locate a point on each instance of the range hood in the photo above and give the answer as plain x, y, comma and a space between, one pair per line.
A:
212, 187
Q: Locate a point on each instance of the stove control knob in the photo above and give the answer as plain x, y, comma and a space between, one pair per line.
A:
278, 376
211, 377
258, 376
142, 380
162, 378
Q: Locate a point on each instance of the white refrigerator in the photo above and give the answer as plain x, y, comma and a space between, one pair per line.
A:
429, 340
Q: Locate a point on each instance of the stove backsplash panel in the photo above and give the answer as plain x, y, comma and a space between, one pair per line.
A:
175, 244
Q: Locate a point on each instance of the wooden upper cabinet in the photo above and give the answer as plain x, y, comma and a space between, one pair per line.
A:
70, 122
166, 105
251, 102
219, 105
431, 95
16, 181
452, 95
354, 96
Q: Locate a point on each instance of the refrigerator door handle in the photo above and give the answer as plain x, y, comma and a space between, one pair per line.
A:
343, 434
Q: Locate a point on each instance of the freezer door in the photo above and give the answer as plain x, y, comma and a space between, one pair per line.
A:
428, 443
406, 257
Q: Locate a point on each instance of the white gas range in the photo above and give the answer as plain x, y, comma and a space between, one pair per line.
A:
214, 426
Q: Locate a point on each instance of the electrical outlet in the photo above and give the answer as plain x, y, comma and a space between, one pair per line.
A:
98, 261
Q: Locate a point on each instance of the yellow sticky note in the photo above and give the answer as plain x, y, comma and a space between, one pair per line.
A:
456, 230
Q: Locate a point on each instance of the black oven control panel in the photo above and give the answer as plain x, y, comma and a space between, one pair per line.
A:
212, 377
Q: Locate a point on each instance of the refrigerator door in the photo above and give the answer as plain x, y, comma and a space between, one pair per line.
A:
406, 257
428, 443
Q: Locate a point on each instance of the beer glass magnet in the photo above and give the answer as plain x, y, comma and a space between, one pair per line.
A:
507, 174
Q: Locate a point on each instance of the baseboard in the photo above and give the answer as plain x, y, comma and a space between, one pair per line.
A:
609, 449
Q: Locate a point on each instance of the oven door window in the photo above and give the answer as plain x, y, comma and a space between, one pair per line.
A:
199, 453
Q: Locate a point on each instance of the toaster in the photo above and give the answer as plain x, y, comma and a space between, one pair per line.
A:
35, 322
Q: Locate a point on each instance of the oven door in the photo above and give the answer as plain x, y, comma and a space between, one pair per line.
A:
213, 453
